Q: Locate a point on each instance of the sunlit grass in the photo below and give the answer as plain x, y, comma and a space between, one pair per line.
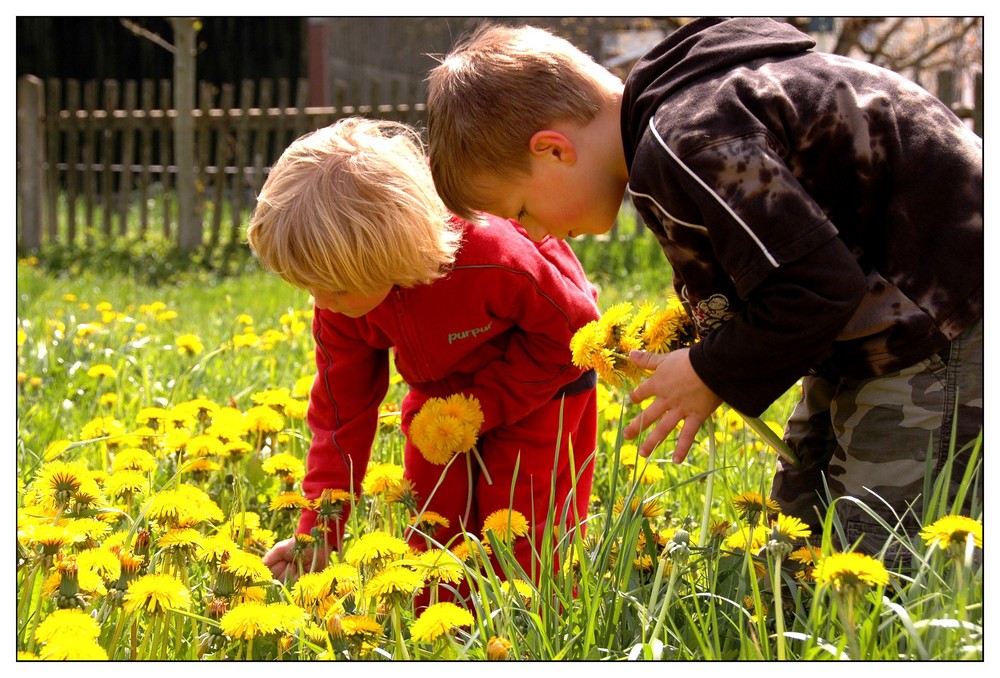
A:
150, 426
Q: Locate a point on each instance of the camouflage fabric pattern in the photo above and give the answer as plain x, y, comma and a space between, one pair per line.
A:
871, 437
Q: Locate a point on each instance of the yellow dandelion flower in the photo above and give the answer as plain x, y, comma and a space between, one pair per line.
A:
360, 625
505, 524
102, 371
67, 624
55, 449
73, 649
753, 505
381, 477
648, 508
290, 501
156, 593
203, 445
263, 419
133, 459
303, 385
394, 583
289, 468
274, 397
429, 522
953, 529
850, 571
245, 339
523, 589
438, 620
201, 466
446, 426
50, 537
807, 555
789, 528
101, 562
746, 539
189, 344
153, 417
401, 492
376, 548
313, 588
180, 539
216, 548
464, 408
498, 649
249, 620
101, 427
440, 565
125, 484
297, 409
248, 568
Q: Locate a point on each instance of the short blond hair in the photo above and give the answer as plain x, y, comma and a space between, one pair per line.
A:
352, 207
491, 93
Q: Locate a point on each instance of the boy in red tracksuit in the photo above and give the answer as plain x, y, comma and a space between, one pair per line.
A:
350, 214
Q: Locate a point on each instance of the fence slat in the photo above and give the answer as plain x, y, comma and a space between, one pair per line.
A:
148, 104
30, 104
128, 155
107, 154
53, 185
166, 154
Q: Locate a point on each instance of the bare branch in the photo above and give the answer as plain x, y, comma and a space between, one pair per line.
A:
138, 30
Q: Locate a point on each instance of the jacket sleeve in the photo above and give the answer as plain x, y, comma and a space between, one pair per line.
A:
787, 325
351, 380
547, 297
798, 283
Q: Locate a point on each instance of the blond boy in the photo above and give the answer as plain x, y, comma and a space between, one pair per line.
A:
349, 213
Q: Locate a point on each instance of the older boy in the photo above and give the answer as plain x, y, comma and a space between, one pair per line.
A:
822, 216
350, 214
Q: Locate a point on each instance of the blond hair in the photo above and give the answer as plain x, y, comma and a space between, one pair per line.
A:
352, 207
492, 93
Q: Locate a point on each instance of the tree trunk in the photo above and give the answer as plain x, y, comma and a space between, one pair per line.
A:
189, 230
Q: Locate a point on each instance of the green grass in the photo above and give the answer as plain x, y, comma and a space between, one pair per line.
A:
636, 586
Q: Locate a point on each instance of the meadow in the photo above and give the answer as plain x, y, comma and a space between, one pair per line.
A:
161, 441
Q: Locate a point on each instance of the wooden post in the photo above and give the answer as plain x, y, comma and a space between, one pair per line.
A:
189, 231
30, 136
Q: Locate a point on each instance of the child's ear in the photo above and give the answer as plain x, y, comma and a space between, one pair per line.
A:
552, 144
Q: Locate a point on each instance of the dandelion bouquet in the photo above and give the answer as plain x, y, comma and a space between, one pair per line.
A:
604, 345
446, 426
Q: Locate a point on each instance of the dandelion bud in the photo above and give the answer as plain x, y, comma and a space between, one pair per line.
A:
142, 542
498, 649
335, 626
215, 608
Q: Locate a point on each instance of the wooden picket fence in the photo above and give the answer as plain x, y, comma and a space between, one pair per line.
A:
97, 159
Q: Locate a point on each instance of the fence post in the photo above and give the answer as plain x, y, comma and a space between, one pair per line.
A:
29, 158
189, 231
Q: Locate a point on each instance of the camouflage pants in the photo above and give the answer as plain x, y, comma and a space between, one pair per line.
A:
868, 437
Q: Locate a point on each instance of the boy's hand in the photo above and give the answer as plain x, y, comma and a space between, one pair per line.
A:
282, 560
680, 394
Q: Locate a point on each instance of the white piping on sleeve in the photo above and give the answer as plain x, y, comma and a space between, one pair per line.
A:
651, 199
722, 202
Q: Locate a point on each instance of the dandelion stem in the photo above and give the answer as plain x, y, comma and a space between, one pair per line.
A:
706, 510
397, 630
779, 615
674, 573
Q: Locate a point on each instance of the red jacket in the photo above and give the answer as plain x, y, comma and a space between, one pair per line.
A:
497, 327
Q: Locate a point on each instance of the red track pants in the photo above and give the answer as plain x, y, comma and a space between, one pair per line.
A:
529, 446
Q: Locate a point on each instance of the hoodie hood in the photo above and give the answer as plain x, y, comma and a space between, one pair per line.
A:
702, 47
